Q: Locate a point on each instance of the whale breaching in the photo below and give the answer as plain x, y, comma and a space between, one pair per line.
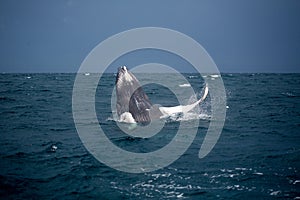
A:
134, 106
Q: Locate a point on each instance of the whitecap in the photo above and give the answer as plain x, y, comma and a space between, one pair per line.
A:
275, 193
240, 168
187, 117
297, 181
110, 119
53, 148
289, 94
185, 85
127, 117
215, 75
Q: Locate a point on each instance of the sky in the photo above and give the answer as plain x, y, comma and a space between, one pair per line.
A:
240, 36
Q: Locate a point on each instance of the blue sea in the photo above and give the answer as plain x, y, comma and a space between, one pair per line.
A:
256, 156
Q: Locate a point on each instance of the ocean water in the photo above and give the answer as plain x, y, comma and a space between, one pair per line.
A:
257, 155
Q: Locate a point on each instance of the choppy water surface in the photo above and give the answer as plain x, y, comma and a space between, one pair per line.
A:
257, 155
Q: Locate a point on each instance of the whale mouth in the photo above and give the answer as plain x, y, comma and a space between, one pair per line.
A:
122, 69
121, 72
125, 77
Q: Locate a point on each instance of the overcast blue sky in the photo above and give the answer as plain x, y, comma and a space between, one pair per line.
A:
240, 36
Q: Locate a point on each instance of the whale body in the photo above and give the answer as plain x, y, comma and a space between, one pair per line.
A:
134, 106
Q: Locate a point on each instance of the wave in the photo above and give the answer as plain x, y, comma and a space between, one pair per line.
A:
289, 94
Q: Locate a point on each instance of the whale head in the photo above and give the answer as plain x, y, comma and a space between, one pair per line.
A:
124, 77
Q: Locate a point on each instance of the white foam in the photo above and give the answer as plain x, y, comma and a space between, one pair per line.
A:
297, 181
188, 117
110, 119
180, 195
53, 148
185, 85
289, 94
241, 168
275, 193
215, 75
127, 117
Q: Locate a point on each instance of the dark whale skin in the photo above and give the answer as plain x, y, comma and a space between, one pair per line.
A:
132, 98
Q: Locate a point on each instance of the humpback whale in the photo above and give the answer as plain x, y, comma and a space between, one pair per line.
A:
134, 106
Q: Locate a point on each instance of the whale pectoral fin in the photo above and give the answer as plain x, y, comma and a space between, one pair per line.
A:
167, 111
